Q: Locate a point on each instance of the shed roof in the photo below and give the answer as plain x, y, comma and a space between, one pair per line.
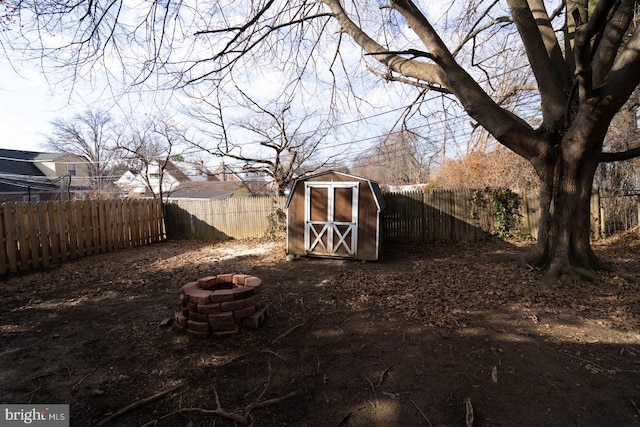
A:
373, 186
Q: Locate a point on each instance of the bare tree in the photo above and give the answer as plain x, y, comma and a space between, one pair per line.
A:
91, 135
149, 149
584, 63
272, 140
398, 159
622, 177
500, 168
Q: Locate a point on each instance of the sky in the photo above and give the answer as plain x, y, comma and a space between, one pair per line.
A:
27, 107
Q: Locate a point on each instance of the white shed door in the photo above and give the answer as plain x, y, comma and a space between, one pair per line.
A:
331, 218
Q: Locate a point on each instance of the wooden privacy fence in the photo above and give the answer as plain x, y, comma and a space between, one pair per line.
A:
434, 215
460, 215
233, 218
454, 215
38, 234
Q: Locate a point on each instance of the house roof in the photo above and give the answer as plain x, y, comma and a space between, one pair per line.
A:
175, 172
209, 190
18, 172
223, 173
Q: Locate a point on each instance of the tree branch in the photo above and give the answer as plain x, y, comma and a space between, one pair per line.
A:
624, 76
475, 31
505, 127
620, 156
605, 48
542, 50
407, 67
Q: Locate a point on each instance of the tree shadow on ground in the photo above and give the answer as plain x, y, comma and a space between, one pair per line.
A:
406, 341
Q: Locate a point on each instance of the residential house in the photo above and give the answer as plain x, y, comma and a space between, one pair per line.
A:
259, 182
225, 173
34, 176
151, 180
210, 190
178, 180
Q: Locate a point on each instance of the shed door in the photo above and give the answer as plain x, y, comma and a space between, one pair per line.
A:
331, 218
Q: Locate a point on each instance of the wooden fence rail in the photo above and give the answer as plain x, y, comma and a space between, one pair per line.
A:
455, 215
234, 218
38, 234
461, 215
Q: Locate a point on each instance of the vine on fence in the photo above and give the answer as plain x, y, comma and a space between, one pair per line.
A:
506, 209
277, 221
507, 212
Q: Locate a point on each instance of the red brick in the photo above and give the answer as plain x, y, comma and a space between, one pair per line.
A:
180, 319
224, 318
244, 312
253, 300
238, 279
189, 287
199, 296
209, 308
225, 278
191, 306
257, 318
242, 292
208, 282
252, 281
222, 334
221, 295
198, 317
232, 305
197, 326
223, 327
197, 334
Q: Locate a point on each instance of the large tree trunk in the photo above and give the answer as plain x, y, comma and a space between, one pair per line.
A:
563, 246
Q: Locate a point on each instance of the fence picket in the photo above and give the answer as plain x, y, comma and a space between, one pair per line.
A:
43, 224
11, 238
22, 222
4, 261
38, 234
33, 236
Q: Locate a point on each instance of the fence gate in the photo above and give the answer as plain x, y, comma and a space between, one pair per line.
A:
331, 218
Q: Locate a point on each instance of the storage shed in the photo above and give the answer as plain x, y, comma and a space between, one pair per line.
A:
333, 214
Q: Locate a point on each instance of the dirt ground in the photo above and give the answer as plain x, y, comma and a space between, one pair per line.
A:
431, 335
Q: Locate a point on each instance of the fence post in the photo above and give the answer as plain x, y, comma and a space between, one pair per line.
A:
595, 213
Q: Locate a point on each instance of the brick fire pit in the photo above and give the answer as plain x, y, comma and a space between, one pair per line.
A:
217, 305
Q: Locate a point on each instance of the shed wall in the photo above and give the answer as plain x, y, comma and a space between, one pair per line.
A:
367, 217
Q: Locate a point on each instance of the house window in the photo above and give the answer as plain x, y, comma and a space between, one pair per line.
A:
72, 169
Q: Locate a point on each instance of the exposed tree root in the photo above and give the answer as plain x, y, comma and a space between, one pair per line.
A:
137, 404
243, 417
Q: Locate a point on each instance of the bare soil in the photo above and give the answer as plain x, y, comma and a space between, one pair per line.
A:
431, 335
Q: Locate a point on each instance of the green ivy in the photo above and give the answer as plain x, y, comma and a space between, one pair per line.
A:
507, 212
506, 209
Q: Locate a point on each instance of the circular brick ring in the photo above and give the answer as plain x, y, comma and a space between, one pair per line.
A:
216, 305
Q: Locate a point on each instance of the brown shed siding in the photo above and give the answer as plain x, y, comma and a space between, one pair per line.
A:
367, 216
